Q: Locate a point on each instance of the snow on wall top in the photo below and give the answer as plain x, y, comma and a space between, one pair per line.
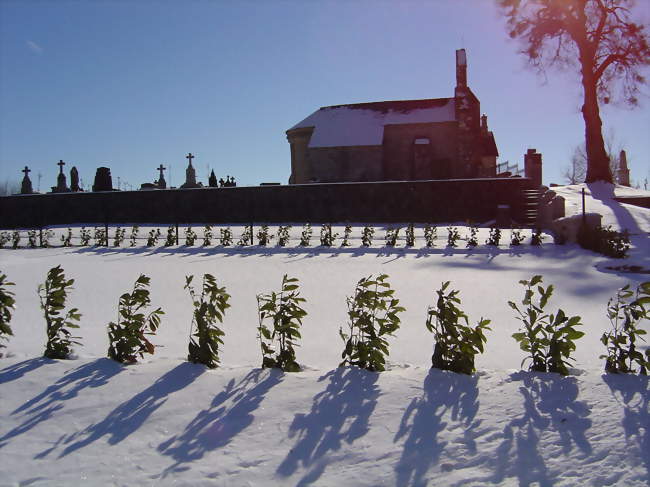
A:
363, 123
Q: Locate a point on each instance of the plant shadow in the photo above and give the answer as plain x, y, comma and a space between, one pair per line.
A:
230, 413
126, 418
422, 421
16, 371
339, 413
634, 392
43, 406
550, 403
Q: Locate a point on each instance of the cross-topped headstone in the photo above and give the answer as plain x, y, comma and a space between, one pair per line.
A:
190, 174
26, 186
161, 168
26, 171
162, 184
60, 164
190, 157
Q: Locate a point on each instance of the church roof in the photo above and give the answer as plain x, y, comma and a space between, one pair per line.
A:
363, 123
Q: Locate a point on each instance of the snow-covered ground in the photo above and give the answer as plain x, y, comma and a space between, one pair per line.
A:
91, 421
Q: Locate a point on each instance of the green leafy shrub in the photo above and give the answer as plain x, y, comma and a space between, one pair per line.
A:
430, 235
4, 239
207, 236
409, 235
31, 238
372, 318
225, 236
7, 306
305, 236
327, 238
548, 339
283, 235
457, 343
246, 236
84, 237
625, 311
15, 239
152, 239
171, 237
346, 236
392, 234
127, 338
284, 314
53, 294
472, 240
366, 235
495, 236
66, 240
452, 236
264, 237
100, 237
118, 238
134, 235
209, 310
516, 238
604, 241
190, 237
536, 238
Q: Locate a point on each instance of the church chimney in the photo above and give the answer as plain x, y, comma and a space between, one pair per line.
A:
461, 68
484, 125
623, 170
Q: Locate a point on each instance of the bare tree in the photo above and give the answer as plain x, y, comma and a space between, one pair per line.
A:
600, 39
9, 187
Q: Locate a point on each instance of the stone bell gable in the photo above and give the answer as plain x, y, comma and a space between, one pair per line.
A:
438, 138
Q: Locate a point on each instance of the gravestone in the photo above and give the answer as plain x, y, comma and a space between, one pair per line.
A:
26, 186
161, 183
74, 180
103, 180
190, 174
61, 183
212, 180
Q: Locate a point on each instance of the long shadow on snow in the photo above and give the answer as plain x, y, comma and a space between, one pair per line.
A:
16, 371
634, 391
550, 404
230, 413
340, 413
126, 418
43, 406
605, 195
423, 421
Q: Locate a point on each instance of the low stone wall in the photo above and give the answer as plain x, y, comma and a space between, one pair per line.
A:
405, 201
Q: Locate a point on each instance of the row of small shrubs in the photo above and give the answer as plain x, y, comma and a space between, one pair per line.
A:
99, 237
373, 316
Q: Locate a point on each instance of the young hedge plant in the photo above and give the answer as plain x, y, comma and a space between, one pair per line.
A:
209, 309
372, 318
280, 317
548, 339
625, 311
7, 306
127, 337
53, 294
457, 343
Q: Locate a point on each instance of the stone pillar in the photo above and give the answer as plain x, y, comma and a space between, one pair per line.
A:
533, 167
623, 170
103, 180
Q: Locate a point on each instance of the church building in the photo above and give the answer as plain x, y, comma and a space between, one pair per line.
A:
438, 138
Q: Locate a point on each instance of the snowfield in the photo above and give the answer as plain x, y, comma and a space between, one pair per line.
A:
164, 421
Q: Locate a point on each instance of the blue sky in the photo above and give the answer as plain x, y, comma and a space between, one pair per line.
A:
133, 84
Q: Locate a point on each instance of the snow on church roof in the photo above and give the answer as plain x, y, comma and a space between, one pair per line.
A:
363, 123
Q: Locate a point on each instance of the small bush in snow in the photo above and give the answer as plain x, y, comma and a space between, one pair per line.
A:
84, 237
409, 235
4, 238
283, 313
190, 237
495, 236
171, 237
53, 294
152, 239
118, 238
548, 339
372, 318
625, 311
604, 240
452, 236
133, 239
209, 310
283, 235
225, 236
100, 237
327, 238
392, 234
31, 238
264, 237
127, 337
7, 306
305, 236
246, 236
457, 343
346, 236
366, 235
207, 236
15, 239
516, 238
536, 238
66, 240
472, 240
430, 235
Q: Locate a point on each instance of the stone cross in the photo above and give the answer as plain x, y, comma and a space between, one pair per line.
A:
190, 157
26, 171
60, 164
161, 169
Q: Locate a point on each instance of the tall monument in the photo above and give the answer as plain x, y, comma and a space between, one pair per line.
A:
190, 174
61, 183
26, 186
74, 180
623, 170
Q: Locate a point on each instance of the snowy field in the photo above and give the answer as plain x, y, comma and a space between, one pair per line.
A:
91, 421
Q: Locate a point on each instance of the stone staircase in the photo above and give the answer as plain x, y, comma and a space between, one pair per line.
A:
530, 207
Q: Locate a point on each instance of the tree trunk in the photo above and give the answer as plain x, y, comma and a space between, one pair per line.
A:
597, 159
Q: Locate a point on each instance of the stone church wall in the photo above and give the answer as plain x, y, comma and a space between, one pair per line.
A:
334, 164
412, 201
